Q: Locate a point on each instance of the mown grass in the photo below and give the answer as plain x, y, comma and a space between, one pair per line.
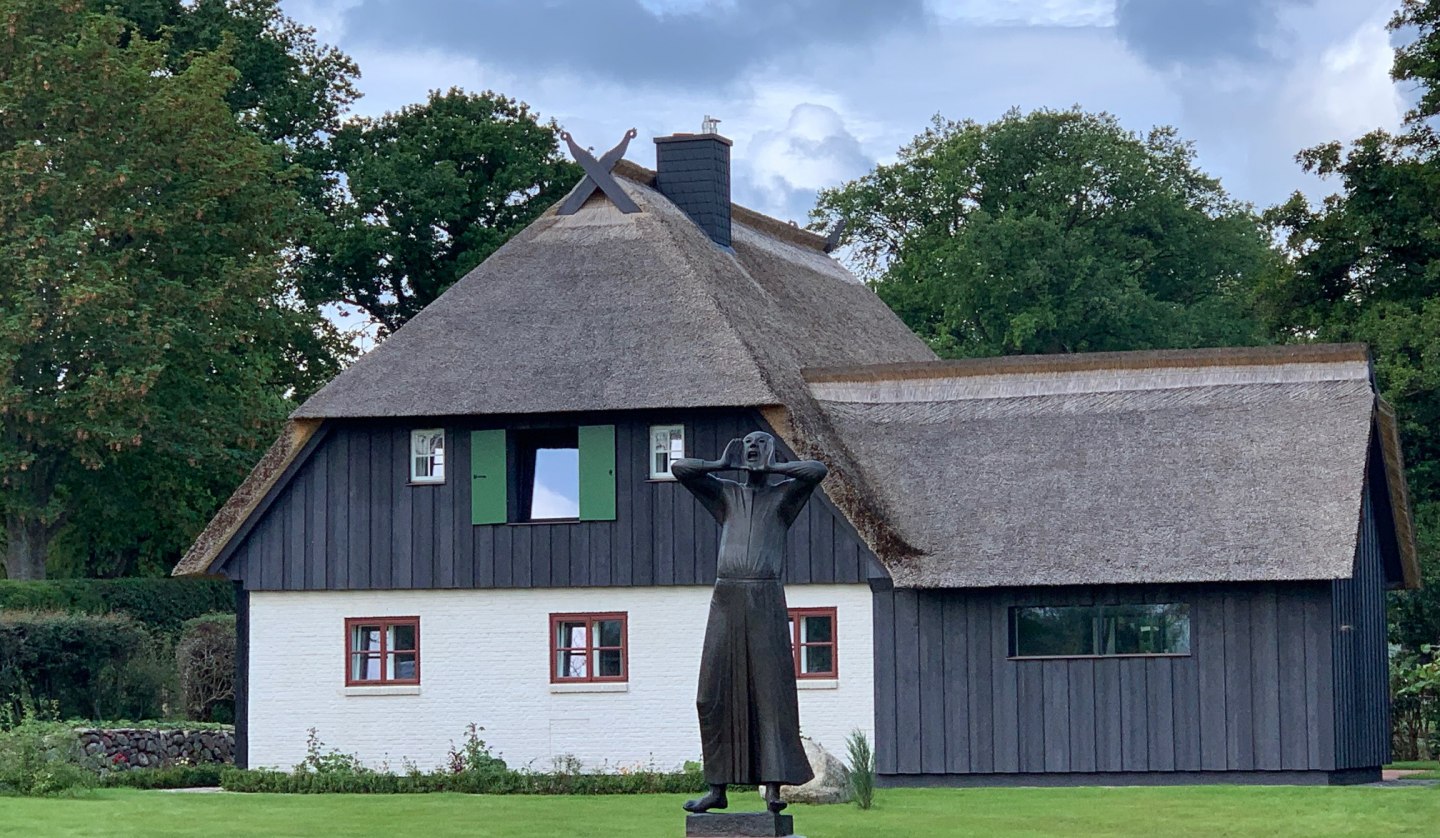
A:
1139, 812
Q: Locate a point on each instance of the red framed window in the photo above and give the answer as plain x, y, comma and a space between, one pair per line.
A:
812, 636
382, 650
588, 647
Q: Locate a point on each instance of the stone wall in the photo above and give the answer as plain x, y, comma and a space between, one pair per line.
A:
152, 748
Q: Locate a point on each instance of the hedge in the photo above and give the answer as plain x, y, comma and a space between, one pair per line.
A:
80, 665
467, 782
161, 604
174, 777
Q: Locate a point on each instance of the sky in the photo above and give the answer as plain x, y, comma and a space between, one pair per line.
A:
817, 92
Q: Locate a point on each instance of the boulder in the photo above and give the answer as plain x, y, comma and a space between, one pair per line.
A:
831, 782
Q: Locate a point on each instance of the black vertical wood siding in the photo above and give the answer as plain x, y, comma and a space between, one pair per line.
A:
242, 677
1255, 693
1361, 674
349, 519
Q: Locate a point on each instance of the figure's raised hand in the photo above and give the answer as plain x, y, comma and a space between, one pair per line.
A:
734, 456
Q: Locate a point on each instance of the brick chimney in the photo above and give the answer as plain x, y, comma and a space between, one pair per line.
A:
693, 171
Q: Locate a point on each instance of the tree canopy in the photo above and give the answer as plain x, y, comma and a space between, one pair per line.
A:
425, 194
148, 340
1053, 231
1364, 265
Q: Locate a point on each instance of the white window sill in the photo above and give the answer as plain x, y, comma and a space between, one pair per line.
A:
600, 687
399, 689
817, 683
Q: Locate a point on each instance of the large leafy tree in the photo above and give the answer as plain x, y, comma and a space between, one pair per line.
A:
147, 337
1053, 231
1364, 265
290, 88
425, 194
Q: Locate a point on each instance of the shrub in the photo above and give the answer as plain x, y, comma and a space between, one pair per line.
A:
173, 777
861, 769
1415, 703
88, 665
160, 604
205, 657
42, 758
469, 768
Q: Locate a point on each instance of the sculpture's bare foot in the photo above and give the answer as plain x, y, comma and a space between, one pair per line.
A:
715, 799
773, 801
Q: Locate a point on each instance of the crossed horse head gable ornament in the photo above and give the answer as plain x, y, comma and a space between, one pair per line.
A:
598, 176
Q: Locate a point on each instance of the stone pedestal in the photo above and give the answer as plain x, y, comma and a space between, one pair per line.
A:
739, 825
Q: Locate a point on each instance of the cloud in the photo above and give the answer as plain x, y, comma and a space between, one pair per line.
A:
1026, 12
548, 503
787, 165
1168, 34
674, 43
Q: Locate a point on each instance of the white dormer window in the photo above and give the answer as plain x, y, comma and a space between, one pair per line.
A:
427, 456
667, 444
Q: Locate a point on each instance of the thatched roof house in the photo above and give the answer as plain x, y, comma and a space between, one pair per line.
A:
1121, 567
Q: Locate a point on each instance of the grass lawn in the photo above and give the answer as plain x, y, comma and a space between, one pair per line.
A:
1429, 766
1147, 812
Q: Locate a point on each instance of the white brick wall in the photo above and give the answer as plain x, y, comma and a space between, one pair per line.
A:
484, 659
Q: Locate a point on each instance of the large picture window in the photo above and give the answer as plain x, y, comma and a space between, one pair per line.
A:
382, 650
812, 636
588, 647
1100, 630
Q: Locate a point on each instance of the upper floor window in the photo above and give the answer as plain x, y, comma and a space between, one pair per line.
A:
1100, 630
667, 444
812, 637
382, 650
588, 647
427, 456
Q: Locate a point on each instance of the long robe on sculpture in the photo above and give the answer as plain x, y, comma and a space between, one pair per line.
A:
749, 715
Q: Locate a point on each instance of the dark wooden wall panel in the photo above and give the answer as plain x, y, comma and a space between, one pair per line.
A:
1361, 662
351, 519
1250, 696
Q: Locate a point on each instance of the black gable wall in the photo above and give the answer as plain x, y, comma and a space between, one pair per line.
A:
348, 519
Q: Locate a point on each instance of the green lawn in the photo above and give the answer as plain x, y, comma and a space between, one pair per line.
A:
1146, 812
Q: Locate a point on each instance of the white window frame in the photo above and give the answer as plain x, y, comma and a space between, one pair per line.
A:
677, 449
422, 437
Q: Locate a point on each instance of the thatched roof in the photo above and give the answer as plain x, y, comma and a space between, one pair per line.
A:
603, 310
1196, 466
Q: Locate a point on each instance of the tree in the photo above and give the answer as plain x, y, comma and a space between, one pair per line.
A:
1364, 265
426, 194
1053, 231
290, 89
145, 324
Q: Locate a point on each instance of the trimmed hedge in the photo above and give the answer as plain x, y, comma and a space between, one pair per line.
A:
161, 604
79, 665
174, 777
466, 782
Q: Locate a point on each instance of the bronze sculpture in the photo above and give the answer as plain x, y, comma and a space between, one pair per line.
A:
749, 718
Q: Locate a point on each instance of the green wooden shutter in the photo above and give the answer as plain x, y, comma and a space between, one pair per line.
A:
487, 477
597, 472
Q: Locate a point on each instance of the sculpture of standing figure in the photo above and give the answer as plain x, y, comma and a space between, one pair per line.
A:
749, 717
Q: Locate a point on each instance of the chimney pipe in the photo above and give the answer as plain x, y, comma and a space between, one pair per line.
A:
693, 171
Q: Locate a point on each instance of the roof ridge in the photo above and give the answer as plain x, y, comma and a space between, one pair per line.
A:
787, 231
1311, 353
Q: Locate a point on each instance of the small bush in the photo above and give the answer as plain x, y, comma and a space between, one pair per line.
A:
861, 769
42, 758
205, 657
